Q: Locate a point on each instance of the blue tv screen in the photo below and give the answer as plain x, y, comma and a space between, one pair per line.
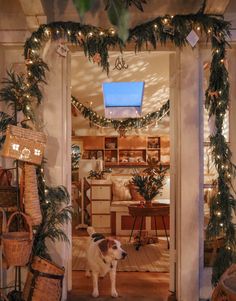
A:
123, 94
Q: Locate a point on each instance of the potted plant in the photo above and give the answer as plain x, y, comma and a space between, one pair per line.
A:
150, 182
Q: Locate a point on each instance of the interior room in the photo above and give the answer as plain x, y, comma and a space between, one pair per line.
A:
108, 195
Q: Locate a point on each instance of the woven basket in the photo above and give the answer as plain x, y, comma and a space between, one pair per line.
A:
24, 144
44, 281
8, 196
31, 198
226, 288
3, 223
17, 246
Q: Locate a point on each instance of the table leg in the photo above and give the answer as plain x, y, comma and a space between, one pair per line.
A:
163, 221
131, 234
140, 233
155, 225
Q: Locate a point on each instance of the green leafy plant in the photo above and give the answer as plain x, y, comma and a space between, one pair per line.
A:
150, 182
75, 156
56, 212
98, 175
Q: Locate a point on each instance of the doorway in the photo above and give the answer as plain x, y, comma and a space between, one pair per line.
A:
155, 70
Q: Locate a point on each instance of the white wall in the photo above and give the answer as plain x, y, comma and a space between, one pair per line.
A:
87, 79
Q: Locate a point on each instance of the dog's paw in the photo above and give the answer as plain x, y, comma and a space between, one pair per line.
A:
114, 294
95, 294
88, 274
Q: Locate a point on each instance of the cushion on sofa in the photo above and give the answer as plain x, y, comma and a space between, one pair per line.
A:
120, 190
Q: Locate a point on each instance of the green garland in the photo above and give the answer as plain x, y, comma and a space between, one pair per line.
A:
127, 124
94, 40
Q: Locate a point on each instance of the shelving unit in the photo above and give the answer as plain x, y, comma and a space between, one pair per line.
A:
133, 151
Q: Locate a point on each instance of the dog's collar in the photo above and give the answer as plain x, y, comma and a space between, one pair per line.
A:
103, 259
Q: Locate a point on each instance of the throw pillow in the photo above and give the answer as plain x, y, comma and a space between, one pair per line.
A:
120, 190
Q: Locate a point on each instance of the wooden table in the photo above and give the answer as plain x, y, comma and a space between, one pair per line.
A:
155, 210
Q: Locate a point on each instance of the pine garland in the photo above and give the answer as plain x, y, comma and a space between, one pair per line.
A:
128, 123
95, 40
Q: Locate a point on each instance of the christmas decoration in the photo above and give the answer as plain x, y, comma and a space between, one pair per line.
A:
122, 126
24, 144
97, 58
22, 91
120, 63
62, 50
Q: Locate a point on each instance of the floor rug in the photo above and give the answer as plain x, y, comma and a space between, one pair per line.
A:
149, 258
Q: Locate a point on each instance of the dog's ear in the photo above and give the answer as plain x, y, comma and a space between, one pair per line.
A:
103, 246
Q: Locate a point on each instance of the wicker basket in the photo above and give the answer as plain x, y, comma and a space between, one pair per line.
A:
17, 246
226, 288
3, 222
8, 196
31, 198
24, 144
44, 281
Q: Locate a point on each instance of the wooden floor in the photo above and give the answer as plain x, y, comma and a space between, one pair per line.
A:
131, 286
138, 286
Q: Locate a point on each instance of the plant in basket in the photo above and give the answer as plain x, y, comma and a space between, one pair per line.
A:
150, 182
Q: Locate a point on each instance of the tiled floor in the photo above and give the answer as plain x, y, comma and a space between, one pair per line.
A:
138, 286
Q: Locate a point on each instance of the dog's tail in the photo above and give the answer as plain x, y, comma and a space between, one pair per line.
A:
90, 231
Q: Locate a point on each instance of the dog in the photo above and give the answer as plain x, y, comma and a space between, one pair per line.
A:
102, 256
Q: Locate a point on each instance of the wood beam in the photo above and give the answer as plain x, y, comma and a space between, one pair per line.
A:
34, 13
216, 7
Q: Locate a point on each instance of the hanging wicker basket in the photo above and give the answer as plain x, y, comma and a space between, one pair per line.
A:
24, 144
3, 223
31, 197
44, 281
226, 288
17, 246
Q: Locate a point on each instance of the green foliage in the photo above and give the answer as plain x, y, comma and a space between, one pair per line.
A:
160, 30
75, 156
5, 120
56, 213
151, 181
119, 16
82, 6
128, 123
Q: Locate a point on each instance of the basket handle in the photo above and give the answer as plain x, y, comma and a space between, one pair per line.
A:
4, 220
26, 217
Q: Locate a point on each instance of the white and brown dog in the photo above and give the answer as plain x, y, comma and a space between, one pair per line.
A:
102, 257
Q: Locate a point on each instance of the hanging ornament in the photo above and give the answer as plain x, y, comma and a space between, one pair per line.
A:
120, 63
192, 38
122, 130
62, 50
213, 94
212, 125
97, 58
167, 26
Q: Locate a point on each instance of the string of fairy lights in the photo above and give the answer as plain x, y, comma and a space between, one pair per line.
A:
122, 125
96, 43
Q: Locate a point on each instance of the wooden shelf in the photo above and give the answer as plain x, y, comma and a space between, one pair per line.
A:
132, 149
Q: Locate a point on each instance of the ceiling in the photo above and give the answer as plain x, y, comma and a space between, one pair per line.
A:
25, 14
151, 67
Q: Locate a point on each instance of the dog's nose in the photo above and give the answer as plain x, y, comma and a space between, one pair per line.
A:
124, 254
